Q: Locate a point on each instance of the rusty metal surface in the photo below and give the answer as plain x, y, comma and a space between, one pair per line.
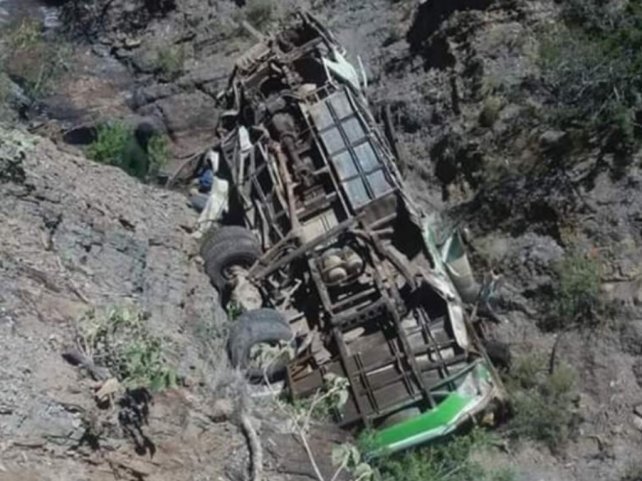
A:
318, 152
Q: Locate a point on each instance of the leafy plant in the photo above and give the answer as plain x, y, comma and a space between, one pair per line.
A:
110, 144
326, 401
234, 310
543, 401
31, 60
577, 294
593, 68
348, 457
491, 108
260, 12
158, 151
117, 145
169, 61
119, 340
447, 461
633, 473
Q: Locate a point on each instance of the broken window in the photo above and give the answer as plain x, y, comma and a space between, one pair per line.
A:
355, 159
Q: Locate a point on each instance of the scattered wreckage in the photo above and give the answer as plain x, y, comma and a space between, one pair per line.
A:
308, 227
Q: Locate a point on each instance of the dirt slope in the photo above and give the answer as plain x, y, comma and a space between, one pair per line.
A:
465, 86
76, 235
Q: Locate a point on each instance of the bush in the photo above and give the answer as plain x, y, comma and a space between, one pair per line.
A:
491, 108
577, 293
633, 473
118, 340
450, 460
593, 68
158, 152
543, 402
260, 12
31, 60
117, 145
169, 62
110, 144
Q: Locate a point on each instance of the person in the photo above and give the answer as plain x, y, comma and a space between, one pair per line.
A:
217, 201
203, 181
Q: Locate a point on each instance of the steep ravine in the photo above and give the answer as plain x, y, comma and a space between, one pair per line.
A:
76, 236
464, 84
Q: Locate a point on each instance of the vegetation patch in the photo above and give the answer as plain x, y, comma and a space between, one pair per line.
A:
169, 62
33, 61
592, 65
117, 145
118, 339
450, 460
577, 300
326, 402
260, 14
543, 401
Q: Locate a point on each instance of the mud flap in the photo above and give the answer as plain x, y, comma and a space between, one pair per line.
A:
458, 268
343, 69
451, 260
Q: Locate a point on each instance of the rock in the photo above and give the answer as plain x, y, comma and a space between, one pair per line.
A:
554, 141
637, 422
78, 239
631, 337
623, 292
187, 116
637, 371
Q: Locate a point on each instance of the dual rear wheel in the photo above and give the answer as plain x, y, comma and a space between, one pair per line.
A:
259, 339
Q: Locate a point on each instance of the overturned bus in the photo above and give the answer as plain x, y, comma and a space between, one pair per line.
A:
312, 233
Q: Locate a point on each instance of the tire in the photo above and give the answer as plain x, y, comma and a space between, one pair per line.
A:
255, 327
499, 354
216, 235
226, 247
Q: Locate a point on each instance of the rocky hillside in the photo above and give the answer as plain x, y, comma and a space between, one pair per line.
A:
78, 237
510, 120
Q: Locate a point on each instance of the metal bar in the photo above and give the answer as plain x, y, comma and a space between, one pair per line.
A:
335, 184
423, 320
336, 230
402, 336
413, 399
289, 189
323, 291
338, 337
358, 296
428, 367
398, 359
363, 376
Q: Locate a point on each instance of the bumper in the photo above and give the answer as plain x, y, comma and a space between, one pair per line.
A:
476, 389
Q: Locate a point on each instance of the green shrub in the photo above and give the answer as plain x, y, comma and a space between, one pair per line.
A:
633, 473
31, 60
158, 151
169, 61
543, 402
110, 144
577, 293
118, 339
491, 108
116, 144
592, 66
450, 460
260, 12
